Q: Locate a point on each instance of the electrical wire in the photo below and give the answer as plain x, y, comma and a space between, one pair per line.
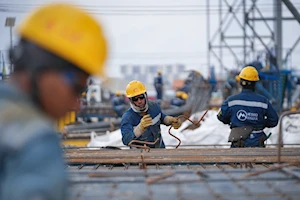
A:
138, 9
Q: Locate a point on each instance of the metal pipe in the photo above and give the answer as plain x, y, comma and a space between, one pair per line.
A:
280, 140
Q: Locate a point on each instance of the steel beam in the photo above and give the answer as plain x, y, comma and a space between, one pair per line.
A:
221, 35
208, 33
231, 46
244, 32
241, 37
292, 9
278, 32
270, 18
292, 49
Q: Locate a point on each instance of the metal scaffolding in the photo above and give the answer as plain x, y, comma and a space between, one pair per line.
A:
248, 36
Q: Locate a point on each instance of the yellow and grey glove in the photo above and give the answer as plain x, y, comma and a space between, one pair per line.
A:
175, 122
145, 122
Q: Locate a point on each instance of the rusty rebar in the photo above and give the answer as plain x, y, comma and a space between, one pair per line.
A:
270, 169
144, 146
161, 177
195, 123
143, 165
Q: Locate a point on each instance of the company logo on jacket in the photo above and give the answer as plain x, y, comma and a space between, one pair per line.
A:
243, 115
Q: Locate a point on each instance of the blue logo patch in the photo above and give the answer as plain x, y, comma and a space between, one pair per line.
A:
241, 115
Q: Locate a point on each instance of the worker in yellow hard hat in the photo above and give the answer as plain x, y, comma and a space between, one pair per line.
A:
248, 113
158, 84
142, 121
60, 46
179, 99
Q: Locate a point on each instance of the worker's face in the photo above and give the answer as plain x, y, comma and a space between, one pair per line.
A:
60, 91
139, 101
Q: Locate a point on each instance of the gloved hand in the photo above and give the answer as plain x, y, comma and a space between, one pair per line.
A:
175, 122
145, 122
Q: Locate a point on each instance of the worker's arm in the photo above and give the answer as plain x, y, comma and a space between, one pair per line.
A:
127, 129
272, 117
224, 113
36, 171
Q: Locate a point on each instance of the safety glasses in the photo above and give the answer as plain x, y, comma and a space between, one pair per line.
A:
73, 80
141, 97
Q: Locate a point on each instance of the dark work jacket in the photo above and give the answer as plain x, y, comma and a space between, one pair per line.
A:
248, 109
131, 119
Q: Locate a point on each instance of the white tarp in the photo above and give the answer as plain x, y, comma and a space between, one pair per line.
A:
211, 132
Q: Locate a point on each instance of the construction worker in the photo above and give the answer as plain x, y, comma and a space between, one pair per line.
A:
179, 99
142, 121
158, 84
119, 104
59, 47
248, 113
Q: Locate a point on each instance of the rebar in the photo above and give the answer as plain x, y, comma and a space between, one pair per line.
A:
195, 123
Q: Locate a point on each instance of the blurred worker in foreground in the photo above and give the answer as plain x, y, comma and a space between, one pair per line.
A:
119, 104
248, 113
179, 99
142, 121
158, 84
59, 47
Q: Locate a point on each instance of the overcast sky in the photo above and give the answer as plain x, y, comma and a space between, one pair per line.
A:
156, 31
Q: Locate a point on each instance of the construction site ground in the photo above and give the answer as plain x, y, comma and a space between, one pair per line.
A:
213, 173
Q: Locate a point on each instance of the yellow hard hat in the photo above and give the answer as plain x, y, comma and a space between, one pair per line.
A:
184, 96
135, 88
118, 93
69, 33
249, 74
179, 93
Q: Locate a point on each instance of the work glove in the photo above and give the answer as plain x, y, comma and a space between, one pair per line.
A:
145, 122
174, 122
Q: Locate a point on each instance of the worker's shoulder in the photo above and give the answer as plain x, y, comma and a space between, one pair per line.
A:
128, 113
234, 97
262, 98
250, 96
21, 123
